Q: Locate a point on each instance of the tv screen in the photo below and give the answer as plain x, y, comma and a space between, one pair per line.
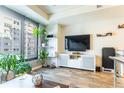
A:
77, 43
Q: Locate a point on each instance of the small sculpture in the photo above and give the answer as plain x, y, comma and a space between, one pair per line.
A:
37, 80
121, 26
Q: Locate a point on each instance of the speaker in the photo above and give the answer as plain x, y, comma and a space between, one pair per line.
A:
98, 69
106, 61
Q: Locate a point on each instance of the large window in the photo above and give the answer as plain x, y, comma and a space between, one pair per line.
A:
30, 40
16, 35
10, 34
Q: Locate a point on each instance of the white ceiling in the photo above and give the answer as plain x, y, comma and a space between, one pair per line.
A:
75, 14
94, 16
29, 12
70, 15
53, 9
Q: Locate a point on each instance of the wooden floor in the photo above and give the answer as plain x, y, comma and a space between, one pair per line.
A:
81, 79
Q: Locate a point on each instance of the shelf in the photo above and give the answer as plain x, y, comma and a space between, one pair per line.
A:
75, 56
52, 57
49, 47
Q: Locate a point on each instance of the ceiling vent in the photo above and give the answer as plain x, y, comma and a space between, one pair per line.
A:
98, 6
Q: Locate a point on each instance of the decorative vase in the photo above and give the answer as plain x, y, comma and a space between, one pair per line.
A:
10, 75
37, 80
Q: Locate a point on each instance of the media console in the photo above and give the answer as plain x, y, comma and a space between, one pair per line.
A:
80, 61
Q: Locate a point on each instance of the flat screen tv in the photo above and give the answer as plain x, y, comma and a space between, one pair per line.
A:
77, 42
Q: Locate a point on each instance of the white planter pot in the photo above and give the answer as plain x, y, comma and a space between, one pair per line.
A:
43, 44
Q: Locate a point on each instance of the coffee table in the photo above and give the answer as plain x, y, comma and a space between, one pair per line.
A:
25, 81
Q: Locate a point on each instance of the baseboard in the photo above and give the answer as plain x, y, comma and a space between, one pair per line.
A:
37, 67
107, 70
76, 68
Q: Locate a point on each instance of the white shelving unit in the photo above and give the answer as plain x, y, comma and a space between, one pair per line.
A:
52, 49
53, 44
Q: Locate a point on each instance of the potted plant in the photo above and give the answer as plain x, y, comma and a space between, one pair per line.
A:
43, 56
22, 66
13, 64
8, 64
42, 33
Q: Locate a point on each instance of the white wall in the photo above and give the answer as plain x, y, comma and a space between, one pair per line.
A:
97, 27
60, 37
56, 42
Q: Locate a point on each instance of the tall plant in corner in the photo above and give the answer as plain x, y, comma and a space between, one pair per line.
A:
42, 34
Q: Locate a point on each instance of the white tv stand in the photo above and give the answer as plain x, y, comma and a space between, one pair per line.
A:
80, 61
